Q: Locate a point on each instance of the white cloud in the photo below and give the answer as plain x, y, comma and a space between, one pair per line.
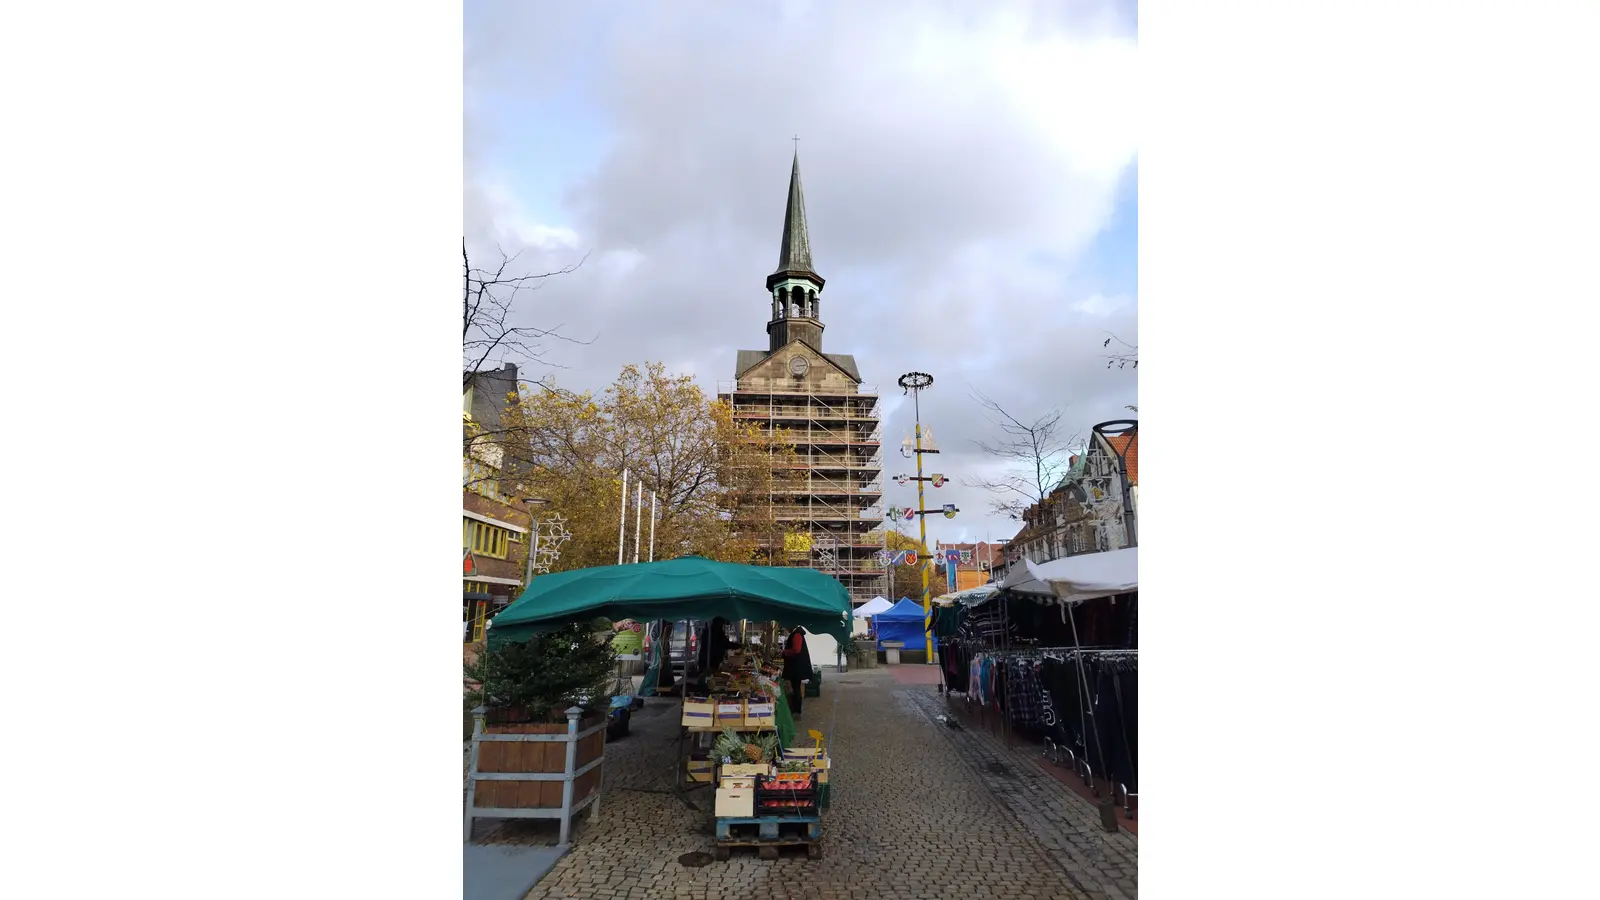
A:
1099, 306
509, 224
956, 170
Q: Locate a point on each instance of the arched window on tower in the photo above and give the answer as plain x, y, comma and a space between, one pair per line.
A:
800, 299
811, 303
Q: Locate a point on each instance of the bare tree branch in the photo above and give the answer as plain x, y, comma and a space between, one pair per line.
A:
1038, 449
1124, 356
488, 304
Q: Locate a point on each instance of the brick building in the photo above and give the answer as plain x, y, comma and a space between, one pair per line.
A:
977, 565
494, 524
1084, 513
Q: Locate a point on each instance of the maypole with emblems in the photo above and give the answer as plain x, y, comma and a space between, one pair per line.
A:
915, 383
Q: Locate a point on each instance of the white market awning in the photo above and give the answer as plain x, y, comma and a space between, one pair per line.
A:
873, 607
1075, 578
971, 596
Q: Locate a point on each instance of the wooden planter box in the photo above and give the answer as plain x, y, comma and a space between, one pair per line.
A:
536, 770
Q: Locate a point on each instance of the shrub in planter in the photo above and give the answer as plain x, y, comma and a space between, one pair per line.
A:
528, 688
536, 681
861, 654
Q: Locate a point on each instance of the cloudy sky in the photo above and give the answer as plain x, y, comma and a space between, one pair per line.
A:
970, 177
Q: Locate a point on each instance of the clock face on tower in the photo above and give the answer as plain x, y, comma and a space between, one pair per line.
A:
798, 366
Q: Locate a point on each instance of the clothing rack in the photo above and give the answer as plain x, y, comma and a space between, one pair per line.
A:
1045, 651
1002, 647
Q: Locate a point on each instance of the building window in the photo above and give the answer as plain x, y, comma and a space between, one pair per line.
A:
484, 539
478, 478
477, 613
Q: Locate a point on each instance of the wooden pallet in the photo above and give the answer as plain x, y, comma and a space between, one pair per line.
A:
768, 834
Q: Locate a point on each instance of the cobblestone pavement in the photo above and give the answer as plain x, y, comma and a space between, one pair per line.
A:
919, 811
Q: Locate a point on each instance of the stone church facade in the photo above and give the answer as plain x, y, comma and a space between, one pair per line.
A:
829, 414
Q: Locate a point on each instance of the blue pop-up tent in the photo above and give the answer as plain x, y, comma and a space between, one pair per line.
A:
902, 622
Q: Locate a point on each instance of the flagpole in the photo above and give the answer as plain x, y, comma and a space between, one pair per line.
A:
622, 523
652, 526
638, 516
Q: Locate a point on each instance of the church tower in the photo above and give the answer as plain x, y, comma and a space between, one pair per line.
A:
819, 402
795, 286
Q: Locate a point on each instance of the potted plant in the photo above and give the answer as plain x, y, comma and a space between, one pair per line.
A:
527, 688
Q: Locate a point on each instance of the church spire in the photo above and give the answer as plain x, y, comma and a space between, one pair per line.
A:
794, 256
795, 286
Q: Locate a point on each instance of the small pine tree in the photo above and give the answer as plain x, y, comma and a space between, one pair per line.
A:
550, 672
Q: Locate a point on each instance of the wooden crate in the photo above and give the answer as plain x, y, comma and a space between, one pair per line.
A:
745, 770
761, 715
735, 802
698, 713
730, 713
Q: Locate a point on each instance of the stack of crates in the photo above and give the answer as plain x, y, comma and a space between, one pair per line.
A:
814, 686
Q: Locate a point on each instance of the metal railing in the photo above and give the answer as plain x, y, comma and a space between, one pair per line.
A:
816, 412
820, 511
828, 436
831, 461
834, 486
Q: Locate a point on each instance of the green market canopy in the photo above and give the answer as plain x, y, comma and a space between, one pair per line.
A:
689, 587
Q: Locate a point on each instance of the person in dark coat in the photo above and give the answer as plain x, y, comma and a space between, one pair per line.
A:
796, 667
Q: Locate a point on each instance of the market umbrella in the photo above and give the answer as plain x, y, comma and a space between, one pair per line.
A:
689, 587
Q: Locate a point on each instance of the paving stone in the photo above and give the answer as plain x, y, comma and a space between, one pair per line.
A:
918, 812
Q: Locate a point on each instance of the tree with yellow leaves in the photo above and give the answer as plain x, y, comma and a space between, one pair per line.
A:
906, 581
713, 477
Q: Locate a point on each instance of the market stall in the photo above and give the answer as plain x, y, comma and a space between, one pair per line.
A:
874, 607
1051, 653
737, 733
901, 627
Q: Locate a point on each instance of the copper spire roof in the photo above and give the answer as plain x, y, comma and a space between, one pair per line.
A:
795, 253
